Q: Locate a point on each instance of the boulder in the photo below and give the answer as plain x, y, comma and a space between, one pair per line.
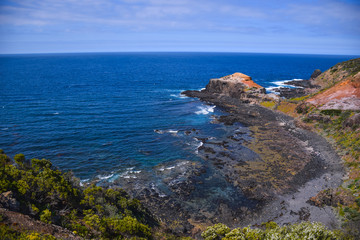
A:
353, 121
315, 74
8, 201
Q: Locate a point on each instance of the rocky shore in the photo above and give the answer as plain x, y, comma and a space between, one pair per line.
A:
267, 168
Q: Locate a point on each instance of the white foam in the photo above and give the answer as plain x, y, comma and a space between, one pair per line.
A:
198, 146
272, 90
180, 164
173, 132
129, 173
4, 129
84, 181
180, 95
280, 83
105, 177
56, 113
205, 110
173, 90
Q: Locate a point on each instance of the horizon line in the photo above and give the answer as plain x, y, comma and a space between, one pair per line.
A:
106, 52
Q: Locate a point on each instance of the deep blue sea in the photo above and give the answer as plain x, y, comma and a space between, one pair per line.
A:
101, 114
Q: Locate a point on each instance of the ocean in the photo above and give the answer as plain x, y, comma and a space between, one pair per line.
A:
106, 115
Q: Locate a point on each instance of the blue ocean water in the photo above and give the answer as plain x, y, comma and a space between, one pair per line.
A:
99, 114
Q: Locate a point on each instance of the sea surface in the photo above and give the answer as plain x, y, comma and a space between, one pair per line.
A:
106, 115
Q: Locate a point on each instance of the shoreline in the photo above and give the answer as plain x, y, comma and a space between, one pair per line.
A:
184, 199
293, 205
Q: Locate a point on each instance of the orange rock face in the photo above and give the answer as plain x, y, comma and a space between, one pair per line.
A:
344, 95
240, 77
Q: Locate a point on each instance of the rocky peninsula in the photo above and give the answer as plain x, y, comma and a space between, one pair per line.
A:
284, 159
266, 169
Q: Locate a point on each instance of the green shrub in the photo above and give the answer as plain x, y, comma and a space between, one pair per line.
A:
215, 232
45, 216
301, 231
331, 112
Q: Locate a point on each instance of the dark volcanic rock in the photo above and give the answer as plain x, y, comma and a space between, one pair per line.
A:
302, 87
184, 194
315, 74
300, 83
290, 92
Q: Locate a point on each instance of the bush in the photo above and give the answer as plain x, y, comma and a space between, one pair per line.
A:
45, 216
215, 232
301, 231
331, 112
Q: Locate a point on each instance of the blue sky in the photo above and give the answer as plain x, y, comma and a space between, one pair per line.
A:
275, 26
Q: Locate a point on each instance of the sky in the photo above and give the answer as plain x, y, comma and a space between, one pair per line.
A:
268, 26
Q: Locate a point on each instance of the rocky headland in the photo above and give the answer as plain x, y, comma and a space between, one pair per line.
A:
274, 158
267, 168
281, 159
281, 162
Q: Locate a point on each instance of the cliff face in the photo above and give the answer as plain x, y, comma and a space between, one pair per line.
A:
236, 85
344, 95
341, 85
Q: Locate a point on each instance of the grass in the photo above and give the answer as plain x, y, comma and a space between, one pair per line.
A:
268, 104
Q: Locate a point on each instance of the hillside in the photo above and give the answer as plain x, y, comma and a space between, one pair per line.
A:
344, 94
334, 112
337, 73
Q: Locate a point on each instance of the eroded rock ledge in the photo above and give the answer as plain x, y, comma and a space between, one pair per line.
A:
238, 86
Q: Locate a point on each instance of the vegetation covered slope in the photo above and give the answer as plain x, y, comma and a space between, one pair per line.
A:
36, 189
337, 73
340, 126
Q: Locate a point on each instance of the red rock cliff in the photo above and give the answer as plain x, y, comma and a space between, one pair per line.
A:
234, 85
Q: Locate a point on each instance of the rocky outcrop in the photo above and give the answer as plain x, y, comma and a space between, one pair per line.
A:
302, 87
315, 74
7, 200
332, 197
291, 92
236, 85
353, 121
